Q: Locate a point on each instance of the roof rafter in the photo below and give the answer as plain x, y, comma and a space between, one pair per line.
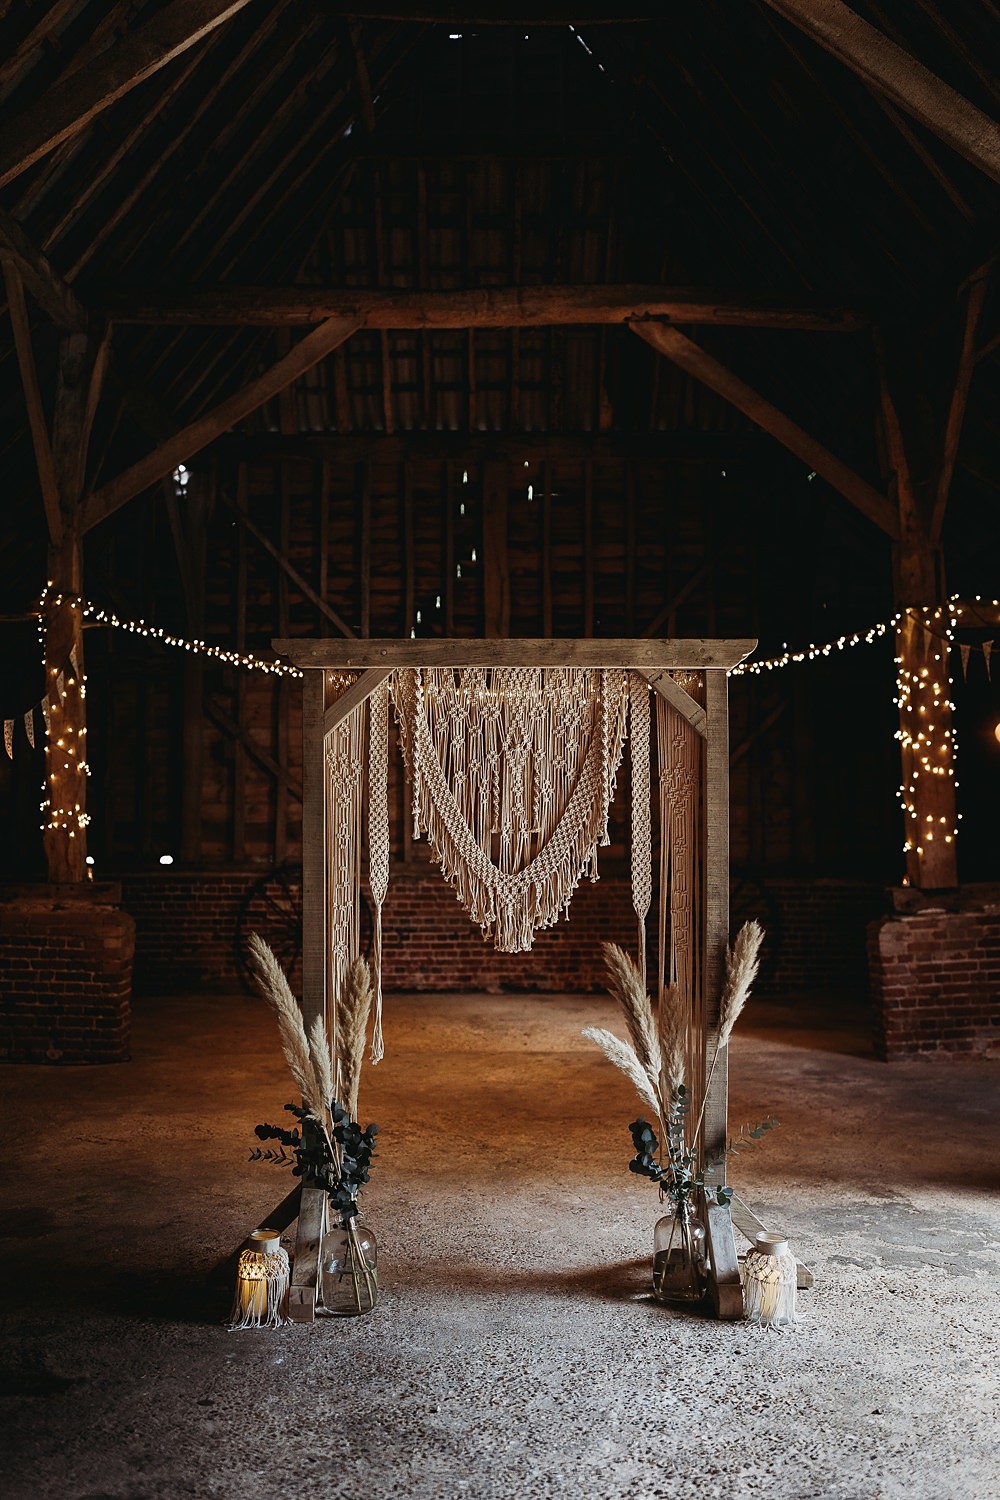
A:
696, 361
65, 110
198, 434
890, 70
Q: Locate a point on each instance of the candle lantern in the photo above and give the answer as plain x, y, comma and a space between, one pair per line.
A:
769, 1282
261, 1282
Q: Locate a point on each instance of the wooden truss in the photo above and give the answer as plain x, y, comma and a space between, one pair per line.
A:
326, 701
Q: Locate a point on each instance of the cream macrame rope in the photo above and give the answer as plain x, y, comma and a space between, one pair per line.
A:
522, 759
345, 760
641, 848
378, 841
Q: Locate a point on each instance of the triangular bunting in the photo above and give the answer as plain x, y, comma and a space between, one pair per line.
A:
29, 727
987, 650
74, 663
8, 737
46, 712
61, 686
966, 653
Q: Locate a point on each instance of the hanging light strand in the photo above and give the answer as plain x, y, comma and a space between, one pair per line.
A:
228, 657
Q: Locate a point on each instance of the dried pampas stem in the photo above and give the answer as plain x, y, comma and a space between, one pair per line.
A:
673, 1041
628, 989
353, 1008
275, 991
624, 1057
742, 963
319, 1047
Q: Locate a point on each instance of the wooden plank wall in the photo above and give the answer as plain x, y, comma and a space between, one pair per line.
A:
594, 546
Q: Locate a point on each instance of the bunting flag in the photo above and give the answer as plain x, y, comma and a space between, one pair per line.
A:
61, 686
987, 651
46, 708
74, 662
966, 653
8, 737
29, 727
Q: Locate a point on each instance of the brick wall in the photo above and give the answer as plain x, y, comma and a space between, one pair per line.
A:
936, 978
65, 980
187, 926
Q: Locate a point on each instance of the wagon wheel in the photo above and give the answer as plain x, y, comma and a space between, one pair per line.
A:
272, 906
750, 898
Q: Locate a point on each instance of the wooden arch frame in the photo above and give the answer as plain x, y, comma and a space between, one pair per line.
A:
326, 702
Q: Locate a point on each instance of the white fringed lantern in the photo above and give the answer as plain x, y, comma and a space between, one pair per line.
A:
261, 1283
769, 1283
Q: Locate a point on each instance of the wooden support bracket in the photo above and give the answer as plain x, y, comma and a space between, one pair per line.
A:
353, 696
724, 1285
679, 699
305, 1267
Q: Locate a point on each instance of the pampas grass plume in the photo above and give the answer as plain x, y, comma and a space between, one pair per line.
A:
274, 990
623, 1056
319, 1048
742, 963
629, 990
673, 1041
353, 1008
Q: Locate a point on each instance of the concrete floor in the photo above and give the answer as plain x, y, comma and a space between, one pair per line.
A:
515, 1351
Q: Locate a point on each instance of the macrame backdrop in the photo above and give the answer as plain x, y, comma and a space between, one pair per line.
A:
512, 771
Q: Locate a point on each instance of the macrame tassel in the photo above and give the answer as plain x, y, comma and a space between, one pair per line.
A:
641, 851
378, 842
261, 1284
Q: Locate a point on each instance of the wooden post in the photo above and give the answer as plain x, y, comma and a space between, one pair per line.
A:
302, 1295
81, 369
916, 468
724, 1287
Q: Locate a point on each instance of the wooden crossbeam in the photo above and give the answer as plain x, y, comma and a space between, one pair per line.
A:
697, 362
890, 70
33, 400
956, 407
56, 299
199, 433
287, 567
434, 651
483, 307
67, 108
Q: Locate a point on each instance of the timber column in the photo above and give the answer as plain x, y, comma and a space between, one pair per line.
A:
65, 816
915, 468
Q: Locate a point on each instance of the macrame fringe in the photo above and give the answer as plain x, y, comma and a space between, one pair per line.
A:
641, 846
265, 1297
378, 843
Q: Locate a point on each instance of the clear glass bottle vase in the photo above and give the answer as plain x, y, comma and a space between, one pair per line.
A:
348, 1279
679, 1256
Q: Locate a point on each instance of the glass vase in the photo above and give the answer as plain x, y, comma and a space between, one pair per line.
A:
348, 1279
679, 1257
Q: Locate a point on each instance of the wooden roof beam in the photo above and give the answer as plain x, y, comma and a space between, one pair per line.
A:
33, 401
54, 296
690, 357
177, 449
66, 109
484, 307
891, 71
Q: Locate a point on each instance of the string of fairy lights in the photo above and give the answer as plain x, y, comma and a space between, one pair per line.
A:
926, 733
